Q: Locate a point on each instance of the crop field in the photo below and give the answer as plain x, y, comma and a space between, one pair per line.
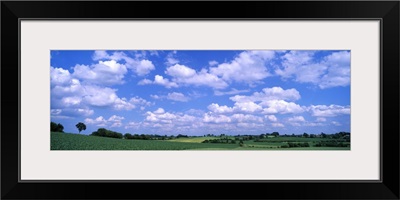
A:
69, 141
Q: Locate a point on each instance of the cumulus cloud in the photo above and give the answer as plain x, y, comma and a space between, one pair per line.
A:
116, 121
160, 116
214, 107
100, 121
269, 101
159, 111
160, 80
139, 66
271, 118
176, 96
133, 125
246, 118
274, 93
180, 71
208, 118
331, 71
113, 121
171, 59
213, 63
281, 107
328, 111
71, 112
187, 76
145, 82
104, 73
339, 70
247, 107
296, 119
59, 76
248, 66
124, 104
78, 95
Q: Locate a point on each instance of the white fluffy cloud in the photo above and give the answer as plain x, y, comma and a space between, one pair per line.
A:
180, 71
328, 111
332, 71
170, 59
104, 73
214, 107
116, 121
247, 107
140, 66
78, 95
185, 75
208, 118
113, 121
274, 93
338, 72
281, 107
176, 96
269, 101
159, 80
213, 63
248, 66
159, 111
296, 119
159, 116
246, 118
59, 76
71, 112
271, 118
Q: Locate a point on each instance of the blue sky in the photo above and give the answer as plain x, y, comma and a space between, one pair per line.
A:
197, 92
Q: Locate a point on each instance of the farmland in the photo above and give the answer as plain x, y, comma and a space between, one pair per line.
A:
70, 141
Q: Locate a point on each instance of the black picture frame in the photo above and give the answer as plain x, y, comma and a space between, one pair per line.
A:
386, 11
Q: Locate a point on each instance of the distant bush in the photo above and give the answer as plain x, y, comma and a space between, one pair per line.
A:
182, 136
102, 132
296, 144
333, 143
220, 141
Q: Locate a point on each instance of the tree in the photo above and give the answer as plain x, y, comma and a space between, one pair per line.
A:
128, 136
56, 127
305, 135
80, 126
276, 134
53, 126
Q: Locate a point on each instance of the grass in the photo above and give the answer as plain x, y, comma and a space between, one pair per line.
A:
66, 141
69, 141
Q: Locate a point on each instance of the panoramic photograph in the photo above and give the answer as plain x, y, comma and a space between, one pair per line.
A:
261, 100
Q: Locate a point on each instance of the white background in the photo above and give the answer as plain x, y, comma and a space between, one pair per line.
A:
39, 37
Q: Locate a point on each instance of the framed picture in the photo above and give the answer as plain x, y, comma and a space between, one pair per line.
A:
259, 97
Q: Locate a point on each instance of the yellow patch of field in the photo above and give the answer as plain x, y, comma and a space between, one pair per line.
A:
193, 140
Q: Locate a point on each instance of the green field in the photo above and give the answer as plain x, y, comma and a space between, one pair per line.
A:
69, 141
